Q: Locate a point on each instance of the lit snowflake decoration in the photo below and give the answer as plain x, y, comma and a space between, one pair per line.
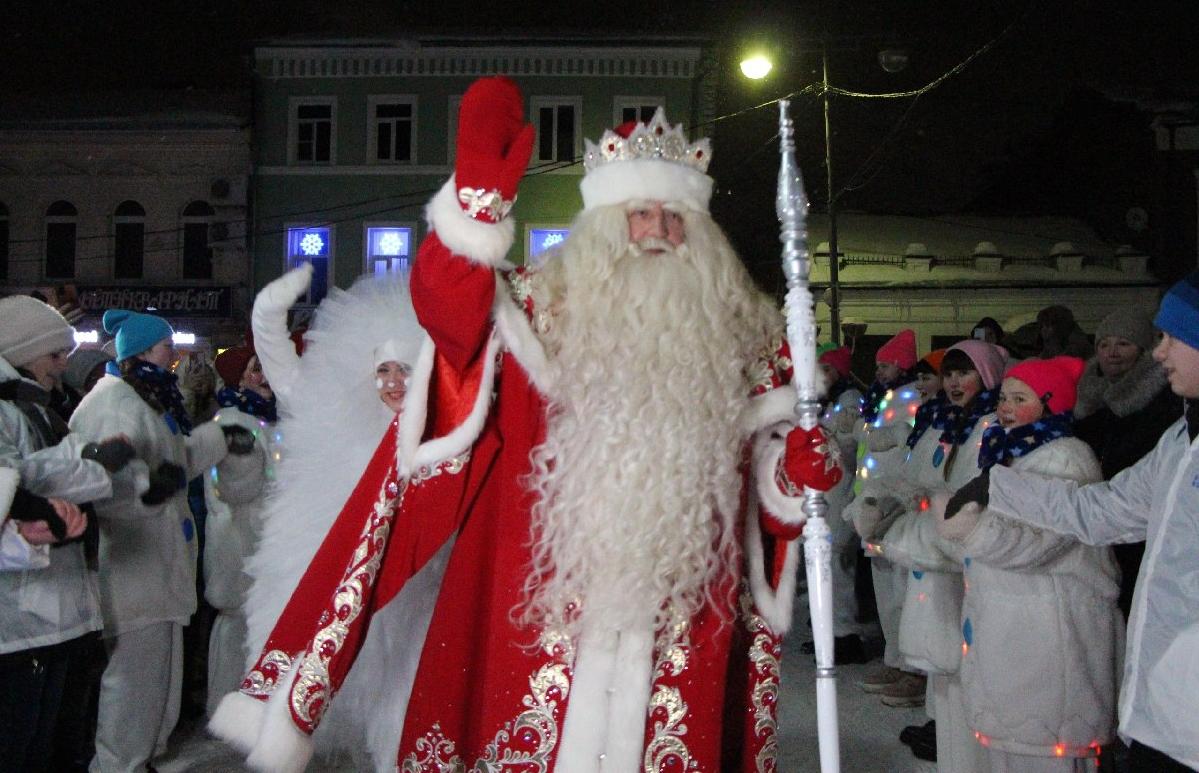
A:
390, 243
312, 244
552, 239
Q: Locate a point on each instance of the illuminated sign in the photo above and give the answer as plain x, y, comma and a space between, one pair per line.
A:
308, 242
544, 239
389, 242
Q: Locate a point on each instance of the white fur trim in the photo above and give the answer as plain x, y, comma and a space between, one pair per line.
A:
281, 747
485, 243
238, 720
648, 179
777, 405
773, 604
10, 480
518, 338
767, 455
415, 454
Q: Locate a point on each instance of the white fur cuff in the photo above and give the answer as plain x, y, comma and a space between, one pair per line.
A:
237, 721
281, 747
485, 243
773, 604
767, 457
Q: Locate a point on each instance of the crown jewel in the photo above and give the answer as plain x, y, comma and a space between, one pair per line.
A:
654, 140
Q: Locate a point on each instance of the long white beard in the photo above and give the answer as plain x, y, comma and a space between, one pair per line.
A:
639, 475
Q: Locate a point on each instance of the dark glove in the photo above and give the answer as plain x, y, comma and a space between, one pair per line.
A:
30, 507
239, 440
494, 146
165, 480
113, 453
977, 491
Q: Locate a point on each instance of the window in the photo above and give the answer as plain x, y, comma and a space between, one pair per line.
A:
452, 133
313, 130
541, 240
392, 129
635, 109
197, 254
3, 243
558, 130
388, 248
311, 244
129, 240
61, 221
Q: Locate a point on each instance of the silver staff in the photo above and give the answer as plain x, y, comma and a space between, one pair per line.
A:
792, 207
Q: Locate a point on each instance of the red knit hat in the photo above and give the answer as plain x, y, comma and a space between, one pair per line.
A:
1054, 380
231, 364
837, 357
900, 350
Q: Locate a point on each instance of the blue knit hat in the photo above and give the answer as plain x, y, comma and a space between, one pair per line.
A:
135, 333
1179, 312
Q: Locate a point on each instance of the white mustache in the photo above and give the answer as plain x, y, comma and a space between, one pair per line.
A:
642, 246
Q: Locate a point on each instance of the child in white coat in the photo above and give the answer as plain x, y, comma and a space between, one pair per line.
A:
1041, 632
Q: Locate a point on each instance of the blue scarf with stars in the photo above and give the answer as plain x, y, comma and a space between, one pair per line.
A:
163, 384
248, 401
1000, 446
926, 414
956, 425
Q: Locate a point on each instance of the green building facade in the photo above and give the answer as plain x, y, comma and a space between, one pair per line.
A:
352, 139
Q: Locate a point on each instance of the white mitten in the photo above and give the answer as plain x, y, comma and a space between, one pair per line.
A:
961, 525
882, 439
843, 421
272, 340
286, 290
867, 518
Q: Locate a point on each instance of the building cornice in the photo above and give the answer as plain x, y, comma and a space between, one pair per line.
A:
475, 61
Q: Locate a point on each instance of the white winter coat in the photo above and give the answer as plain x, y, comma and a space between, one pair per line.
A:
46, 604
894, 422
1042, 634
147, 553
1157, 500
235, 495
929, 626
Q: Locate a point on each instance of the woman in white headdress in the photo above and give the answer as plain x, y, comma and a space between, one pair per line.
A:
335, 402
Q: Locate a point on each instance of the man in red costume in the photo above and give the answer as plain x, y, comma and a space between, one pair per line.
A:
609, 441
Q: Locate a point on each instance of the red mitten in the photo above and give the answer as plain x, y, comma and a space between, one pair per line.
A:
494, 146
809, 460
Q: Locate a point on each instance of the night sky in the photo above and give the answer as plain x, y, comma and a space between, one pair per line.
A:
1044, 123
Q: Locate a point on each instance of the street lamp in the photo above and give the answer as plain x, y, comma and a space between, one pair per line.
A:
756, 67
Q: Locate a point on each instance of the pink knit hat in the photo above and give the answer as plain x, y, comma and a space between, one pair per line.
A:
900, 350
989, 360
1054, 380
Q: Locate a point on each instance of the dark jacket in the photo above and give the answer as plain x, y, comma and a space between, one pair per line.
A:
1122, 421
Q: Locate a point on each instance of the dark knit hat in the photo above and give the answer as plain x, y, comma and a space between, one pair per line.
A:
1179, 312
231, 364
1131, 325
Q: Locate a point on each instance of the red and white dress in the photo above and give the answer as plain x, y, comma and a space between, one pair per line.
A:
491, 694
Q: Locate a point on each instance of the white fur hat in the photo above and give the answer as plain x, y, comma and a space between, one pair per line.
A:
30, 328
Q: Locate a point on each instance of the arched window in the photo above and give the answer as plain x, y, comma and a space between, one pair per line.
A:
61, 221
129, 240
197, 254
3, 243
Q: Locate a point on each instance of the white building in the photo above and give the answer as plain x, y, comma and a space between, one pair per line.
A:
940, 275
138, 201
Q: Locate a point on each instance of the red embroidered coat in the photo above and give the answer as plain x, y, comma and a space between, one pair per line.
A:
490, 695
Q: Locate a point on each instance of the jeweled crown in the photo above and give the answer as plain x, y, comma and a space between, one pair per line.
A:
656, 140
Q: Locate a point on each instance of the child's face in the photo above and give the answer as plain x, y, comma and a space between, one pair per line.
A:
927, 384
962, 386
1018, 404
1181, 362
391, 380
886, 372
831, 376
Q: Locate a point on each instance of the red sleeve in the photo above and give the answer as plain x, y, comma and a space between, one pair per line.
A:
452, 297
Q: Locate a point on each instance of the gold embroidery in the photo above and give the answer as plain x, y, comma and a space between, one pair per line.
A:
526, 743
312, 689
451, 466
434, 754
666, 748
264, 678
764, 655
